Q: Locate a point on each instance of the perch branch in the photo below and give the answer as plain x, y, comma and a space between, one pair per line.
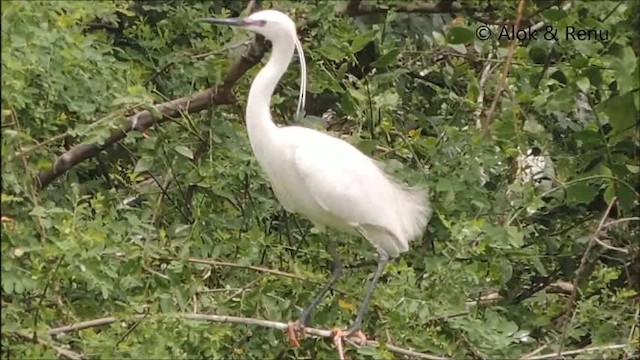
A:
245, 321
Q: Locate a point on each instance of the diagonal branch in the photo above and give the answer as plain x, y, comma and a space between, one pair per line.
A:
505, 71
145, 119
62, 352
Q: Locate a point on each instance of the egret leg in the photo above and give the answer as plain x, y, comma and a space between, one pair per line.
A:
383, 259
306, 313
335, 275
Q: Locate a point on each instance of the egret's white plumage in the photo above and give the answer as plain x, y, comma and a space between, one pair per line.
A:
322, 177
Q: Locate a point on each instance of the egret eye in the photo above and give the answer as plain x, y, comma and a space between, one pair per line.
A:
259, 22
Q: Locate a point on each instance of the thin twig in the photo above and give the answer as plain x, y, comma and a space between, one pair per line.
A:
37, 146
633, 329
578, 351
65, 353
617, 221
245, 321
571, 302
155, 272
607, 246
36, 314
230, 264
244, 288
505, 71
486, 71
132, 327
529, 355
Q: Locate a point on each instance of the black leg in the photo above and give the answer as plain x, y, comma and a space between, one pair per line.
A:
335, 275
383, 259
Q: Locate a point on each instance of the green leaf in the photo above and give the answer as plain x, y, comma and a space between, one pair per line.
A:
609, 193
539, 266
621, 111
634, 169
460, 35
626, 197
387, 59
142, 165
554, 14
581, 193
360, 41
184, 151
583, 84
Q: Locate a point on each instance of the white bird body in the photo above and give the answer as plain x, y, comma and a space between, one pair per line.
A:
335, 185
322, 177
327, 179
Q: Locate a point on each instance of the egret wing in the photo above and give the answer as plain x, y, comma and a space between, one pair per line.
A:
347, 185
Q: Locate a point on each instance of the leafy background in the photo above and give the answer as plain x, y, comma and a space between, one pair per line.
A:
179, 219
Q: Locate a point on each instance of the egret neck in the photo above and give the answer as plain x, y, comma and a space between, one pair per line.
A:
260, 126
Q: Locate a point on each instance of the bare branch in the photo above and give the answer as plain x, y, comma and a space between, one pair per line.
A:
245, 321
230, 264
590, 349
65, 353
617, 221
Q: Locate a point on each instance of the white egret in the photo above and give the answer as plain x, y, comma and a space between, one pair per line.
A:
324, 178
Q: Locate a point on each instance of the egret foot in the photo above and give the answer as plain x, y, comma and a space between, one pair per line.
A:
338, 335
293, 328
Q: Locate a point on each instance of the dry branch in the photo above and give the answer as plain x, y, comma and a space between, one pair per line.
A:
235, 265
65, 353
242, 320
590, 349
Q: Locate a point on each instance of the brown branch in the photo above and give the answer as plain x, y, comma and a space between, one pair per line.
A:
357, 8
505, 70
571, 302
65, 353
321, 333
145, 119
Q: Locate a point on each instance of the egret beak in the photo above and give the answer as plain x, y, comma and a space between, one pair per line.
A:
233, 21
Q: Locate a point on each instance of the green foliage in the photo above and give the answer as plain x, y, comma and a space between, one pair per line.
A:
484, 281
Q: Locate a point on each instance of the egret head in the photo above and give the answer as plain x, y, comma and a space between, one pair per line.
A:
271, 24
278, 28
